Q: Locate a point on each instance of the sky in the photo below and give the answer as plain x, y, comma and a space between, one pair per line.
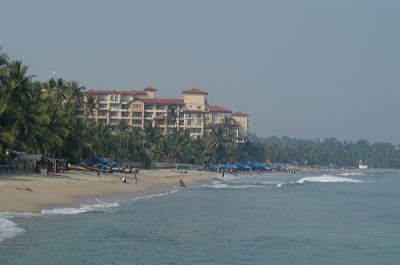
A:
301, 69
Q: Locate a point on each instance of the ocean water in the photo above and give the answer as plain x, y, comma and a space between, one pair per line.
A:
349, 218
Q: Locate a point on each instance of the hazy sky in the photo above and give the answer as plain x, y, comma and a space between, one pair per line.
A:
300, 68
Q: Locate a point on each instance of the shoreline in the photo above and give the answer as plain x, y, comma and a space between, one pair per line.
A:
35, 192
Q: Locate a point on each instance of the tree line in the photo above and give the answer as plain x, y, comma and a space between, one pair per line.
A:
330, 151
51, 118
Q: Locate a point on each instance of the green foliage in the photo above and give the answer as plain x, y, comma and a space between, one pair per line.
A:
330, 151
51, 118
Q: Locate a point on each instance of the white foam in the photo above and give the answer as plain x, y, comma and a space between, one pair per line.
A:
156, 195
9, 229
82, 209
220, 185
327, 179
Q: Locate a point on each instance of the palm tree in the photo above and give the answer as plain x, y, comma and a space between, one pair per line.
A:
3, 61
53, 130
76, 91
181, 147
57, 90
152, 134
216, 142
171, 118
15, 83
89, 106
161, 150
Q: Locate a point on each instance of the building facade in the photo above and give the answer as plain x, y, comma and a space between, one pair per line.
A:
141, 108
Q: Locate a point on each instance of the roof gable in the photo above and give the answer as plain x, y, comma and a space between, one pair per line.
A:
194, 91
215, 108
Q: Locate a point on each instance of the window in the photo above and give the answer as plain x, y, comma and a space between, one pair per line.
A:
181, 123
198, 107
136, 106
114, 98
114, 105
102, 105
125, 114
199, 123
137, 122
148, 114
160, 107
124, 106
189, 115
137, 114
102, 113
189, 123
114, 114
101, 98
124, 98
199, 116
149, 107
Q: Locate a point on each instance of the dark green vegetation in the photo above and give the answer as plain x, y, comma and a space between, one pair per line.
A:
50, 118
330, 151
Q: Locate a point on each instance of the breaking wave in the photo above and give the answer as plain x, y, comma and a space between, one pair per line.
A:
220, 185
327, 179
9, 229
156, 195
82, 209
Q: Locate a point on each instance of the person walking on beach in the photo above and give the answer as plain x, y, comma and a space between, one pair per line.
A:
98, 170
135, 179
181, 183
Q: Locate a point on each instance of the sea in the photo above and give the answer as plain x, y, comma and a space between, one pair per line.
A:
275, 218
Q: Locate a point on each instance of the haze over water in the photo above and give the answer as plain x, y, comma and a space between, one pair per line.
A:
294, 219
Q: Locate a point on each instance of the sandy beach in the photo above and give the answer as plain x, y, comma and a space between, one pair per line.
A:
33, 192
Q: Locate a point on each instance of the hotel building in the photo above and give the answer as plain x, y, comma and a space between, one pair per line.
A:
141, 108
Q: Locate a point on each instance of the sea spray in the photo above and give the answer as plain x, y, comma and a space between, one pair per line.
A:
327, 179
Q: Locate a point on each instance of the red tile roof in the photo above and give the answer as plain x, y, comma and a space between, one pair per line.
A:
240, 114
162, 101
218, 109
194, 91
150, 89
119, 92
